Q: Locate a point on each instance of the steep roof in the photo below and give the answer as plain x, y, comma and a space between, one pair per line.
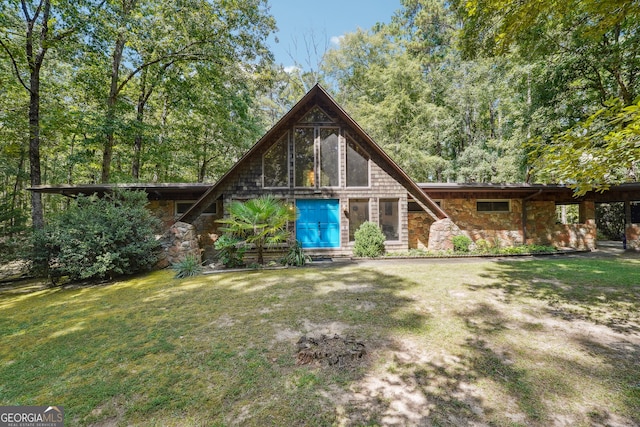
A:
317, 95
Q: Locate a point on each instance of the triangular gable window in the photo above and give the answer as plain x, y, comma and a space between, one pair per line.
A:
316, 115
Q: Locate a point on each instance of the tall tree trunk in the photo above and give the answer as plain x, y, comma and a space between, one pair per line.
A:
143, 97
37, 214
107, 153
137, 142
35, 60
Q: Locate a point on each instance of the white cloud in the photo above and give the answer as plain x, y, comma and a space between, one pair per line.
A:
336, 40
291, 69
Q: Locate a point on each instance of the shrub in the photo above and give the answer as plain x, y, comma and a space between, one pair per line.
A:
461, 243
296, 255
230, 250
369, 241
188, 267
261, 222
483, 246
98, 238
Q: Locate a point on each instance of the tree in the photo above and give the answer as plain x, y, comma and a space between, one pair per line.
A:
261, 221
148, 38
30, 30
439, 116
593, 51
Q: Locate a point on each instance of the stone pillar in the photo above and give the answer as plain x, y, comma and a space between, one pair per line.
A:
632, 233
441, 235
177, 243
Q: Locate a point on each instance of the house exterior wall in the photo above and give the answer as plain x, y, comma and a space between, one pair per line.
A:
497, 228
205, 226
419, 224
506, 228
542, 228
245, 182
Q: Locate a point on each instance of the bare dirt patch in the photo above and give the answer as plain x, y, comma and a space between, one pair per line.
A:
333, 351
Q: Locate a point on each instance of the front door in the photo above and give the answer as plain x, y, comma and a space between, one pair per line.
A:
318, 224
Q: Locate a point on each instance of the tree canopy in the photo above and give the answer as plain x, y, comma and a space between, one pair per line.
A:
592, 49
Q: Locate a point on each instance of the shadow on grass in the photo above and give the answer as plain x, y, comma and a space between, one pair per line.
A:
209, 350
221, 349
603, 295
605, 291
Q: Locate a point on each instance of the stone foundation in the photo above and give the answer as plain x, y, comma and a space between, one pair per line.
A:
180, 241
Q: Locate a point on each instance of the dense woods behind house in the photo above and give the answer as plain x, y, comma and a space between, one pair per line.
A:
163, 91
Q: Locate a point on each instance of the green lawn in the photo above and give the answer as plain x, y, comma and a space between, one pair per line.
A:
552, 341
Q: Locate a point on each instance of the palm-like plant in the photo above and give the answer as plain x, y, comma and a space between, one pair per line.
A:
262, 221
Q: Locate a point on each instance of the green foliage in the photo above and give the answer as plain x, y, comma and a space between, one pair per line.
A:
369, 240
610, 220
483, 246
98, 238
231, 250
440, 117
461, 243
601, 150
261, 222
190, 266
526, 249
295, 256
583, 98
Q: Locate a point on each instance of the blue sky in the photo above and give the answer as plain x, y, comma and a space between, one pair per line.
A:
322, 21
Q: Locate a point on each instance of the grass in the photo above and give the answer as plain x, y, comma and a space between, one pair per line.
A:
536, 342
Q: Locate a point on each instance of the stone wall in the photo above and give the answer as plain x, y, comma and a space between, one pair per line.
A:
632, 232
206, 227
542, 228
180, 241
441, 235
419, 225
506, 228
497, 228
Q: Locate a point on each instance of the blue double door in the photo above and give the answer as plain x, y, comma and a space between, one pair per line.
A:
318, 223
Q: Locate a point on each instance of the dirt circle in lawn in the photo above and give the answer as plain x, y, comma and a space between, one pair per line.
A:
335, 351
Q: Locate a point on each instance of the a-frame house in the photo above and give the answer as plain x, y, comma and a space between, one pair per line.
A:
320, 160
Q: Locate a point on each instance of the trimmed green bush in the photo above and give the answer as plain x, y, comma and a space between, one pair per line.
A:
369, 240
98, 238
461, 243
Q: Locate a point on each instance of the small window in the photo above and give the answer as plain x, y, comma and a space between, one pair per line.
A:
389, 218
493, 206
635, 212
415, 206
358, 214
316, 115
183, 206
